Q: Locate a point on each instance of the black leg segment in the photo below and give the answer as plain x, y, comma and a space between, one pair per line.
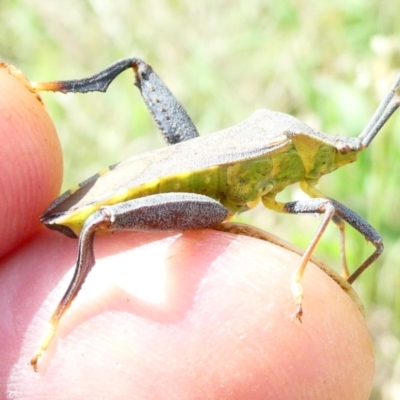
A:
169, 115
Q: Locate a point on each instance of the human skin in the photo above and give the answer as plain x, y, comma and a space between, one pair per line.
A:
196, 315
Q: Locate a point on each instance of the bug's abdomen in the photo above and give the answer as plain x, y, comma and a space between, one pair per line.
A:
238, 186
204, 181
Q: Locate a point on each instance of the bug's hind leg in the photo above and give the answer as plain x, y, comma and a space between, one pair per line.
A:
85, 262
171, 118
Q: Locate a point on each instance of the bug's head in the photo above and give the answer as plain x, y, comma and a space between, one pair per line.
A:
347, 150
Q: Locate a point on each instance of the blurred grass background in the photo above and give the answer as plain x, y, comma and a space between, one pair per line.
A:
328, 64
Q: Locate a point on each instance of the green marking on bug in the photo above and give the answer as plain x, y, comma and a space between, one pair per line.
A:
203, 181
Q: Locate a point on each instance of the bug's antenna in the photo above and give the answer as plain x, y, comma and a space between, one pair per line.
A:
385, 110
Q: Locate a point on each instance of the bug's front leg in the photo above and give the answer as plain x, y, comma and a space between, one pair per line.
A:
343, 213
313, 192
171, 118
328, 208
310, 206
160, 212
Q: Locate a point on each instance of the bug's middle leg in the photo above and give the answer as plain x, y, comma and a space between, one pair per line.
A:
343, 262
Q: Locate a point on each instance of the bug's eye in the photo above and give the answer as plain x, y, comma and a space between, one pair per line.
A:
343, 148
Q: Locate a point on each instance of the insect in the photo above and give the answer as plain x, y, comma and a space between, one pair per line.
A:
200, 182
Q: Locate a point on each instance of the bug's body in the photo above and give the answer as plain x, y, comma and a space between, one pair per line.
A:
200, 182
248, 167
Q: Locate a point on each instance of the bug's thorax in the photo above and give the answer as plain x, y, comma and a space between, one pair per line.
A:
322, 154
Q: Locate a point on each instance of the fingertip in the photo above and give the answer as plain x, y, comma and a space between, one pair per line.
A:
30, 160
222, 327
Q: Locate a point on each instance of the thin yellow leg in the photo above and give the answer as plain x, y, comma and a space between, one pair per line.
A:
311, 206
